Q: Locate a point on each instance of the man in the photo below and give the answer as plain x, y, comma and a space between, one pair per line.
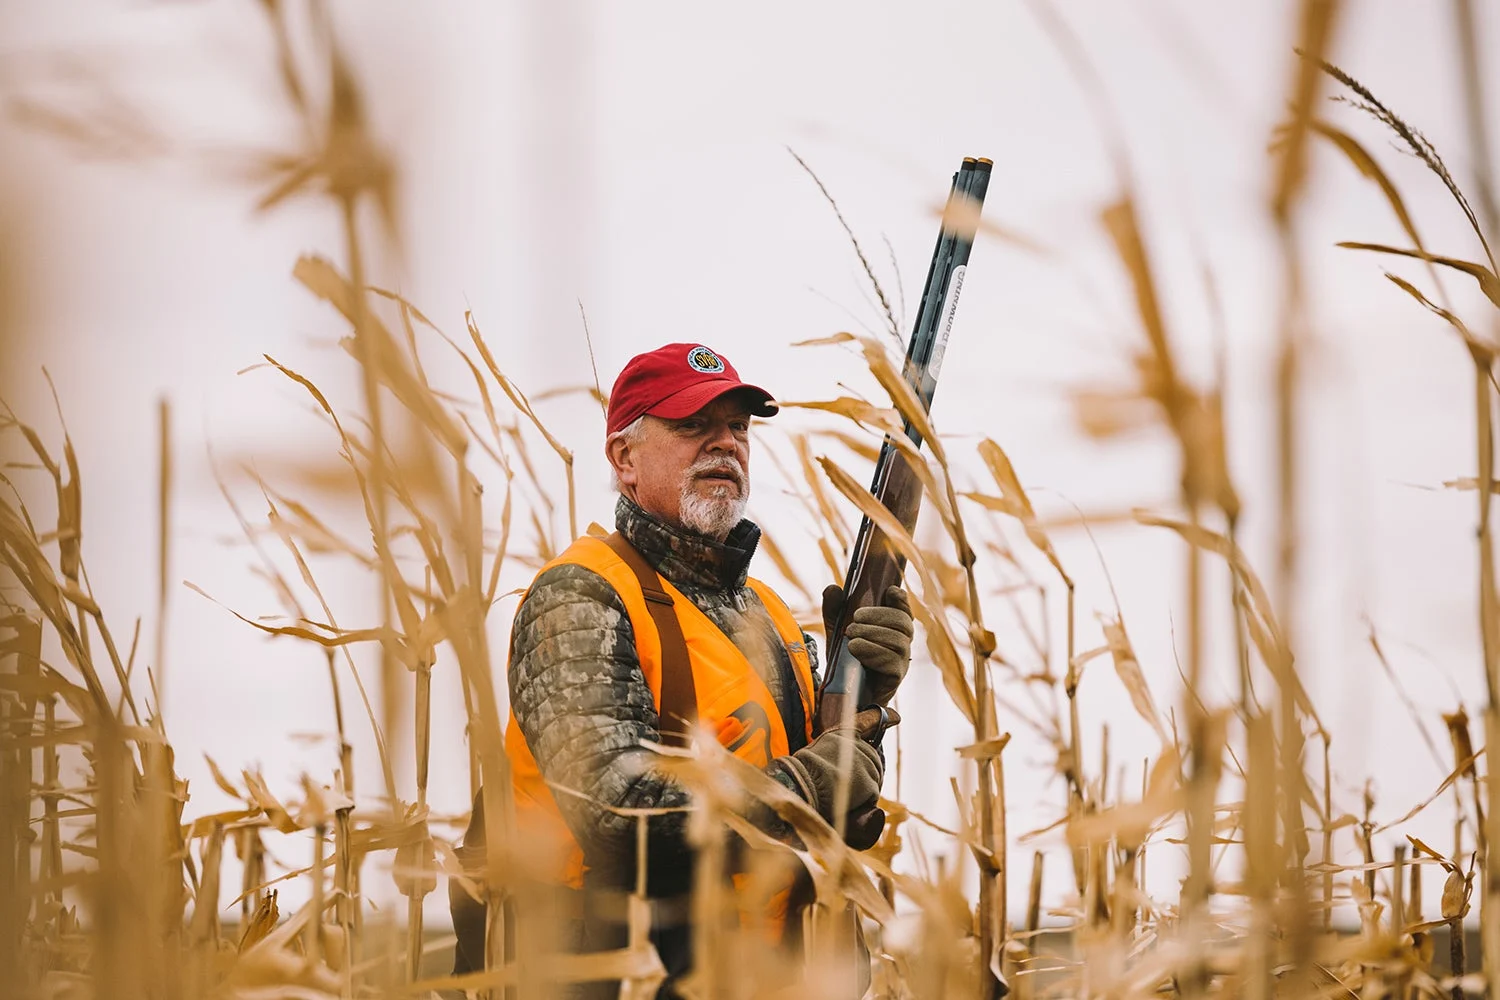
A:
599, 668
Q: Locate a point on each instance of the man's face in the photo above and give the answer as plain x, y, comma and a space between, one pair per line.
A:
692, 473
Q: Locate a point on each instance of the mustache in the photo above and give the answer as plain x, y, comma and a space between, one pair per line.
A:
707, 466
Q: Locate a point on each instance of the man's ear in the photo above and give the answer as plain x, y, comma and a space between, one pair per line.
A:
621, 457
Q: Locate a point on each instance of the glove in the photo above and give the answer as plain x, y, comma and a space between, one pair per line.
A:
878, 637
864, 825
815, 769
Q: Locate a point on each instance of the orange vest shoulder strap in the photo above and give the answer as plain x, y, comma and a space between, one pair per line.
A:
679, 695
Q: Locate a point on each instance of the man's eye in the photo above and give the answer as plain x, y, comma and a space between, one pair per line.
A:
740, 426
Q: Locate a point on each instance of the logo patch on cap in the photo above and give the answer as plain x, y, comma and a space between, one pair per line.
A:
701, 359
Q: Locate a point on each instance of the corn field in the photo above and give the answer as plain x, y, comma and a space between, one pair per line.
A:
113, 885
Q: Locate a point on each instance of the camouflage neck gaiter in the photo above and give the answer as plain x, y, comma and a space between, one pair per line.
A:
685, 558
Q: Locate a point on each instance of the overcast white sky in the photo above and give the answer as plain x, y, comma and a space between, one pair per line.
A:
632, 157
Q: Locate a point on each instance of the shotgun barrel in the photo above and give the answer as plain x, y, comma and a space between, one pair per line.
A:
874, 563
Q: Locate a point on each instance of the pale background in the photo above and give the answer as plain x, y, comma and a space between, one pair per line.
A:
631, 157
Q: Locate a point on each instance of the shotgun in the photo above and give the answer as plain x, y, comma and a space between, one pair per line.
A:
874, 563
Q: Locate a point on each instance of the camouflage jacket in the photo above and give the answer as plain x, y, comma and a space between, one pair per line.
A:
584, 707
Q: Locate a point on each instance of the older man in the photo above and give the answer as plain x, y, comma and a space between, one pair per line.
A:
635, 637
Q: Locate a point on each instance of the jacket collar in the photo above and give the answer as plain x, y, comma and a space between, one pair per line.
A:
685, 558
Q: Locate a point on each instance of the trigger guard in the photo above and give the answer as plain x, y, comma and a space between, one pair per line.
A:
876, 735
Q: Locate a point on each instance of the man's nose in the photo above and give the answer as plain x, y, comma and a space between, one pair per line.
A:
721, 439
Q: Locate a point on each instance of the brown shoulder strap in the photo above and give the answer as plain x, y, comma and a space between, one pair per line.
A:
679, 694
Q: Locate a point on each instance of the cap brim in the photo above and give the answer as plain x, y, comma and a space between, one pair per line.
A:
688, 401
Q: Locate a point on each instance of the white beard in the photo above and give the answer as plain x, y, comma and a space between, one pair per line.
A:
715, 515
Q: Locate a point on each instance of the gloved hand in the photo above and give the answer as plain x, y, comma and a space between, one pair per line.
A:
864, 825
878, 637
815, 768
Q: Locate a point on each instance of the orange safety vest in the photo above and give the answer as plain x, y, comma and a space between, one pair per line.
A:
733, 700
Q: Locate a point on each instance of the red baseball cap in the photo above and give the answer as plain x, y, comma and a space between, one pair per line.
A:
677, 381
